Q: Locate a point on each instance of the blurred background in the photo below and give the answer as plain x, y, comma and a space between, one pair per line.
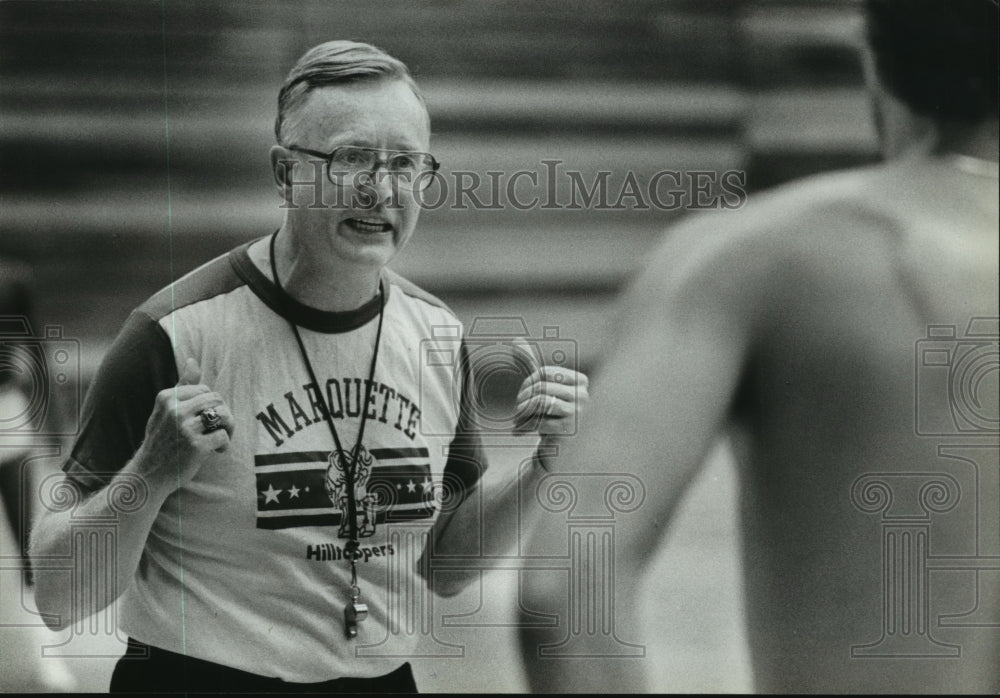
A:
133, 147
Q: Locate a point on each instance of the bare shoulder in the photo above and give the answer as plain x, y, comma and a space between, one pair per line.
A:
832, 224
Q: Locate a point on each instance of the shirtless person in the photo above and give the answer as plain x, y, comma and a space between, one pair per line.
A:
796, 328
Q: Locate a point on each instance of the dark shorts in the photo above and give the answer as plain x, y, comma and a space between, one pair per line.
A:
146, 669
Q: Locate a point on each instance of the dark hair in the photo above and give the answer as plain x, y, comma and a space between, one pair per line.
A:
938, 56
337, 63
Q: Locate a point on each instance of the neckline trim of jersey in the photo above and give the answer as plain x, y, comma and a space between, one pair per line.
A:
328, 322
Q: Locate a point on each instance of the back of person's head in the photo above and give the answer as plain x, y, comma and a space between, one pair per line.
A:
939, 57
337, 63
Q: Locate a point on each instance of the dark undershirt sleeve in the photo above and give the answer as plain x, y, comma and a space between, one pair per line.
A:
466, 462
139, 364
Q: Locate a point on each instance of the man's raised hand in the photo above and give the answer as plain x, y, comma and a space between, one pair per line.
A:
177, 441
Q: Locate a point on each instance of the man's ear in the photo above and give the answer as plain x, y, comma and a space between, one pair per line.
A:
282, 162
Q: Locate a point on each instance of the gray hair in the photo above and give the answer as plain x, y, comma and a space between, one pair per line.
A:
338, 63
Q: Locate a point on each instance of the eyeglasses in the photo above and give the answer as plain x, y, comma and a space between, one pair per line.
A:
346, 164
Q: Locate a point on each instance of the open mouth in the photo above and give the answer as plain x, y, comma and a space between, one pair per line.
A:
369, 225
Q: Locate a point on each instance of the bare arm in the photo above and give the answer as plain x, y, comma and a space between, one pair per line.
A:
482, 519
483, 526
64, 536
25, 670
174, 448
661, 399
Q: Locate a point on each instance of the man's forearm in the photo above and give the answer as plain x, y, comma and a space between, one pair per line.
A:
485, 526
65, 537
508, 509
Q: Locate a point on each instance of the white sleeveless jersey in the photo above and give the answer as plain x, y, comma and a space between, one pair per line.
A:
245, 565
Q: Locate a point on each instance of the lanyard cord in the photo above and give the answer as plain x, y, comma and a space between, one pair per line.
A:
350, 468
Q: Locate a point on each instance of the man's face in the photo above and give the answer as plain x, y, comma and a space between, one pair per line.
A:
364, 225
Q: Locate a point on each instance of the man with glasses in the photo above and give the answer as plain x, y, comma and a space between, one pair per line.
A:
269, 419
351, 166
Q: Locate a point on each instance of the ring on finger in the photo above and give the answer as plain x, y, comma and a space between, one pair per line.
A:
551, 402
210, 420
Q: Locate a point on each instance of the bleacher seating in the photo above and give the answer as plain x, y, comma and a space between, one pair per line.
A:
134, 135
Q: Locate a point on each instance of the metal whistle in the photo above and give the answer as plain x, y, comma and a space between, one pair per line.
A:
354, 613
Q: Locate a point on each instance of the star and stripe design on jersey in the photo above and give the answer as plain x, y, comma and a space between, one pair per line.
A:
307, 488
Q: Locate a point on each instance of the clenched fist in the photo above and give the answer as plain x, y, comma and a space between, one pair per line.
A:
177, 441
549, 401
